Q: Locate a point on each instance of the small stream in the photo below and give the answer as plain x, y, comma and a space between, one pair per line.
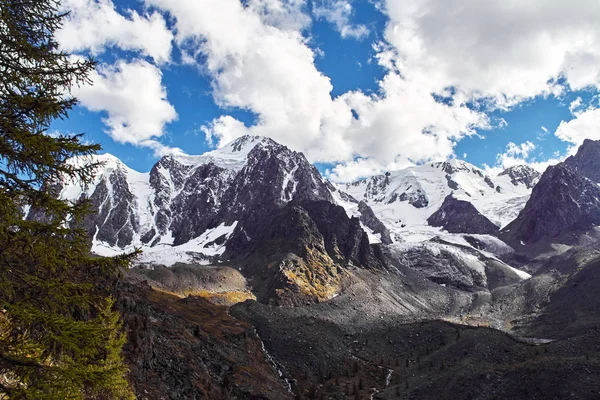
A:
274, 362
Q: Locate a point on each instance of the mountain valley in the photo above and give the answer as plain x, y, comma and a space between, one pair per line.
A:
260, 279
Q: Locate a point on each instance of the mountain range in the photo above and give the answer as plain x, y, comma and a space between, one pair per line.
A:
400, 285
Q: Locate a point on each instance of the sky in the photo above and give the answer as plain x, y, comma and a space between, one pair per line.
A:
361, 87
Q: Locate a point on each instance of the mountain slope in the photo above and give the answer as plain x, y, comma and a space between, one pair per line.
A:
184, 196
254, 203
459, 216
404, 200
586, 161
562, 202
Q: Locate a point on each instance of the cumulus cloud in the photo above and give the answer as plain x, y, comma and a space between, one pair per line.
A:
289, 14
575, 107
95, 25
354, 170
504, 51
134, 99
441, 63
521, 154
586, 125
339, 13
268, 68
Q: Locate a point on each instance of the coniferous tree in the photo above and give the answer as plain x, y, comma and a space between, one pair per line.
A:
59, 335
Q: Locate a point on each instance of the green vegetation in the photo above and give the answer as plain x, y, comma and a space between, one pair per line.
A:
59, 335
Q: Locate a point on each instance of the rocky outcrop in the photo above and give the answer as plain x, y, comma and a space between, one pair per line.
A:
370, 220
522, 175
561, 202
183, 196
299, 253
115, 223
459, 216
458, 266
587, 160
263, 205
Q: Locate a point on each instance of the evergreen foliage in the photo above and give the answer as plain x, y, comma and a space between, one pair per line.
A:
59, 335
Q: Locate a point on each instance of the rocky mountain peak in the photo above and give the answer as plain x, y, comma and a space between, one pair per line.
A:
561, 202
522, 174
586, 162
248, 142
453, 165
459, 216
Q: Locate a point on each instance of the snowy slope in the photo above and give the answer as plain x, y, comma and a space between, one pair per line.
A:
403, 200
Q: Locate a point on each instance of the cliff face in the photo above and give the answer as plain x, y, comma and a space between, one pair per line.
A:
301, 252
562, 201
587, 161
458, 216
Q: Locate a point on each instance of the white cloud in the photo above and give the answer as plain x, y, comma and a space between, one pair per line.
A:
339, 13
261, 67
507, 51
585, 126
523, 150
354, 170
134, 99
95, 25
521, 154
575, 107
287, 15
224, 129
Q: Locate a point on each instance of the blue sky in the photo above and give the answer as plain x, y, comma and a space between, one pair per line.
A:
359, 86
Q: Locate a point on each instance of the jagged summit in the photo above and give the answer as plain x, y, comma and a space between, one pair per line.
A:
225, 205
231, 156
405, 199
586, 162
454, 165
459, 216
563, 201
522, 174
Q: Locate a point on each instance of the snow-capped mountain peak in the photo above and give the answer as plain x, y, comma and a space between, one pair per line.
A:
184, 197
522, 174
231, 156
405, 199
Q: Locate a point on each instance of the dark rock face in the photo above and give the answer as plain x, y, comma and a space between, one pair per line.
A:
197, 206
562, 201
458, 216
587, 160
272, 176
345, 241
299, 253
417, 198
451, 183
187, 199
522, 174
368, 218
489, 182
459, 266
115, 222
376, 187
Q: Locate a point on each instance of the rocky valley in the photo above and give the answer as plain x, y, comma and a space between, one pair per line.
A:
260, 279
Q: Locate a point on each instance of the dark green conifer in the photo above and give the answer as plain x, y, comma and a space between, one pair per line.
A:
59, 335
